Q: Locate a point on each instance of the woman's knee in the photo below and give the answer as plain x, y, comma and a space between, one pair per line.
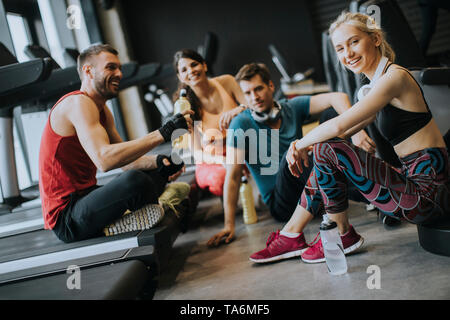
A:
325, 152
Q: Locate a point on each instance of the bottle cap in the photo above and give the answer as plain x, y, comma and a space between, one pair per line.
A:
328, 225
183, 93
244, 179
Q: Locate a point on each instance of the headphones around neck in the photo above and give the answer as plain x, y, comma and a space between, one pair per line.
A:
263, 117
364, 90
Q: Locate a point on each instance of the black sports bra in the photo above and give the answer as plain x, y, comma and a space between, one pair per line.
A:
396, 124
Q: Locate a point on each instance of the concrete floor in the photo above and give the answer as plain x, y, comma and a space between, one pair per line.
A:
200, 273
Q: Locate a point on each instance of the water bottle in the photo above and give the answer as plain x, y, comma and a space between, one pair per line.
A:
248, 205
181, 105
332, 247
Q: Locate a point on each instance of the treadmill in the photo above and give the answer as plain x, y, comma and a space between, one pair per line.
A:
31, 256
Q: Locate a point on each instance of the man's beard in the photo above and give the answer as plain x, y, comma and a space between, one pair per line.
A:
102, 88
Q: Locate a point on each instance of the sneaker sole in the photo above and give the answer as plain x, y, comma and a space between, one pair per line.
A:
283, 256
347, 250
141, 219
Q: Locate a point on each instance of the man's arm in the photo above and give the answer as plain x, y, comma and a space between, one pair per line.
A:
230, 200
320, 102
145, 162
105, 154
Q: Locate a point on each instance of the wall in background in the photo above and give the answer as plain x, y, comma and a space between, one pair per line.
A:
157, 29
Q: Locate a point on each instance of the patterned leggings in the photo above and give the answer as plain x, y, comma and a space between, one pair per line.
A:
417, 191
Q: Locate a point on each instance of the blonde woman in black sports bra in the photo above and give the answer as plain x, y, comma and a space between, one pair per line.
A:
418, 191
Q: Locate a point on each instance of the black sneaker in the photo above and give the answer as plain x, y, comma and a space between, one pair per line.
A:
387, 220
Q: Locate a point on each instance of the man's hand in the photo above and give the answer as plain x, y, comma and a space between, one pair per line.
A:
226, 117
175, 175
295, 157
363, 141
226, 235
179, 121
168, 168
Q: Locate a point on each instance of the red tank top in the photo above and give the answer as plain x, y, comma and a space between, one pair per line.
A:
64, 168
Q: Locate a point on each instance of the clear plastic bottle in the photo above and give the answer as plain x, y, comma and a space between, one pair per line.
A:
332, 247
248, 205
181, 105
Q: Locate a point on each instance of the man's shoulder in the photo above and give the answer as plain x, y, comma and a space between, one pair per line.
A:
295, 101
297, 107
76, 100
242, 121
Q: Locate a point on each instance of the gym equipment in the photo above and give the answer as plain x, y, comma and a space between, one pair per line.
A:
435, 237
14, 77
286, 79
282, 66
208, 50
435, 85
126, 281
161, 100
39, 258
435, 82
40, 252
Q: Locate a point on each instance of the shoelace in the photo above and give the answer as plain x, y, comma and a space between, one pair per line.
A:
314, 241
272, 237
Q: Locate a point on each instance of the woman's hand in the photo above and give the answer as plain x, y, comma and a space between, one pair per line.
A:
363, 141
226, 117
295, 157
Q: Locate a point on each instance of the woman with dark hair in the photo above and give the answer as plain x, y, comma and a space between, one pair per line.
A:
215, 102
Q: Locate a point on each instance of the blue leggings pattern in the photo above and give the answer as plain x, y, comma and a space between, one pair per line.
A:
416, 192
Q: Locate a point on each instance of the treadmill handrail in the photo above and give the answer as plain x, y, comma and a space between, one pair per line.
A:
435, 76
33, 71
62, 81
69, 254
144, 74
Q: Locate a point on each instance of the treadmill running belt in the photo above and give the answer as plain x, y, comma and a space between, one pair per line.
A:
122, 280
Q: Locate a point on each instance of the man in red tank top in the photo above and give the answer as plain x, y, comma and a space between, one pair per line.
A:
80, 137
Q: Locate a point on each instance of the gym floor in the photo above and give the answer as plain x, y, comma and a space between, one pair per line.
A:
200, 273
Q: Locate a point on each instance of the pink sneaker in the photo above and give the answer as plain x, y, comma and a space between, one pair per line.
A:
280, 247
351, 242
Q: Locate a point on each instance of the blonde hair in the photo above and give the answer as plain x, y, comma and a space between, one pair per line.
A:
365, 24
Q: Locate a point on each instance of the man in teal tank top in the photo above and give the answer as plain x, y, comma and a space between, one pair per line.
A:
260, 136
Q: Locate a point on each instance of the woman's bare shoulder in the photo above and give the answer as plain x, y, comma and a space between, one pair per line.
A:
225, 80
